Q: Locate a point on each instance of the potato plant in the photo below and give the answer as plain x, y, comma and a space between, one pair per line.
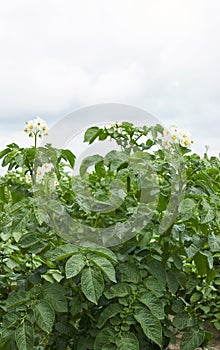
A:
124, 255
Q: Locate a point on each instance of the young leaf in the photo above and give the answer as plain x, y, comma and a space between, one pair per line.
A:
74, 265
24, 336
150, 324
44, 315
92, 283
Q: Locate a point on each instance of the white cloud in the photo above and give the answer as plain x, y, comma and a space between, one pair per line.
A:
162, 56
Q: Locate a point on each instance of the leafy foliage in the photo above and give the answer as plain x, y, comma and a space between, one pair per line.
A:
60, 291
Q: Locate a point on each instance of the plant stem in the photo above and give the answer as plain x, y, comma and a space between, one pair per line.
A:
35, 140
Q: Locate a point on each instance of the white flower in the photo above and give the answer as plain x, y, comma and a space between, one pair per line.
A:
28, 177
47, 167
56, 183
35, 127
39, 174
42, 170
185, 139
174, 135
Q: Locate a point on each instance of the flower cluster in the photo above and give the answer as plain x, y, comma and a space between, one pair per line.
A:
174, 135
42, 170
36, 127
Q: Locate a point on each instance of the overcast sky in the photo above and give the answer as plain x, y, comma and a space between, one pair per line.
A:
161, 56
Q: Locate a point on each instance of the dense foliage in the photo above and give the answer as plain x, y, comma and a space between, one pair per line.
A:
64, 286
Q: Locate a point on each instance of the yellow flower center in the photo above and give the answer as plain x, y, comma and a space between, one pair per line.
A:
174, 137
186, 143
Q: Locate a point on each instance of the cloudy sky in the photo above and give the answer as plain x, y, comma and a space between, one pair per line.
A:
61, 55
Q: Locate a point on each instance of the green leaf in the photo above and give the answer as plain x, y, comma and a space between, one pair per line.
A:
100, 169
150, 325
152, 284
38, 247
109, 312
28, 240
105, 338
91, 134
44, 315
7, 340
153, 303
191, 339
10, 319
201, 263
172, 281
181, 320
195, 297
119, 290
116, 159
210, 215
92, 283
55, 295
88, 162
127, 341
67, 155
105, 265
17, 298
130, 273
187, 209
4, 152
214, 242
102, 251
74, 265
24, 336
157, 270
62, 252
10, 157
209, 257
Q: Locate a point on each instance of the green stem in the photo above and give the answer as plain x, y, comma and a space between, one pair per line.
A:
35, 140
